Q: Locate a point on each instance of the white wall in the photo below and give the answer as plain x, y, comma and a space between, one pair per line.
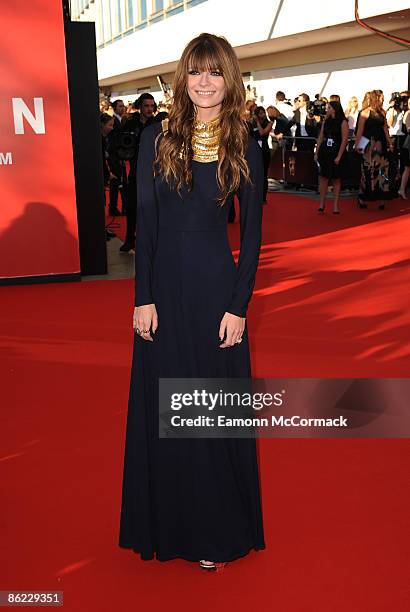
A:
242, 22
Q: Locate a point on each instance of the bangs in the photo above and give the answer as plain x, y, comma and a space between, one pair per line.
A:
204, 58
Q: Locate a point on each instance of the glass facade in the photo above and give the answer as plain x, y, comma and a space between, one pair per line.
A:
143, 10
130, 14
79, 7
117, 18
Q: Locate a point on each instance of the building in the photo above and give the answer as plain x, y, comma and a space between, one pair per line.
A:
285, 44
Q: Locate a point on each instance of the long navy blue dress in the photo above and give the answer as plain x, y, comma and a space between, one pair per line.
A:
190, 498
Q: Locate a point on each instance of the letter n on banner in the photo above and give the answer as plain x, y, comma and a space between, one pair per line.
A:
38, 220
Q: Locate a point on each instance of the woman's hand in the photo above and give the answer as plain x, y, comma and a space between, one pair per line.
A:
337, 160
234, 327
145, 318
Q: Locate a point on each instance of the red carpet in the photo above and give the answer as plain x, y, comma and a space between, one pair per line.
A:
331, 300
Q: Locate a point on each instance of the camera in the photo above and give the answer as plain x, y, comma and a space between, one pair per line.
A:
399, 102
317, 108
127, 145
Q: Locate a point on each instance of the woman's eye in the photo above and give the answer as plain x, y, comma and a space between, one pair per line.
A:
216, 73
193, 72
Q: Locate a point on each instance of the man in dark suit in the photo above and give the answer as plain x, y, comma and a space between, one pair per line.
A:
306, 126
115, 163
136, 123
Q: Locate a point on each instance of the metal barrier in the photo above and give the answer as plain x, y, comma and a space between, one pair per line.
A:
299, 167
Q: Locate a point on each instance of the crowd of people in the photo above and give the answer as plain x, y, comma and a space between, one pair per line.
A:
120, 136
320, 126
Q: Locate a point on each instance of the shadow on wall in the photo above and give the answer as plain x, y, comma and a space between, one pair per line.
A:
38, 242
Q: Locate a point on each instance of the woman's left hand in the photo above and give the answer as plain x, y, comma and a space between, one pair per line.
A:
337, 160
233, 326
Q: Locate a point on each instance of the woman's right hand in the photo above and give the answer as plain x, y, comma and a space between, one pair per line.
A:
145, 318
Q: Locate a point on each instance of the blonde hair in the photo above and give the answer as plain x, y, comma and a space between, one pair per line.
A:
353, 103
206, 52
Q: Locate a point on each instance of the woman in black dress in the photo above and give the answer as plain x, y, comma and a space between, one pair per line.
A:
197, 499
405, 156
373, 142
331, 153
261, 128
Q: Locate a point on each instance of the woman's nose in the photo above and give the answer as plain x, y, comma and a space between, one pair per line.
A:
204, 79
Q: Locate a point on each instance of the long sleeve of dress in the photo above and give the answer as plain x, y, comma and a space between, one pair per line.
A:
250, 197
147, 218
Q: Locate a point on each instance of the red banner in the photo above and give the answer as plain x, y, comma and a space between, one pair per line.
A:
38, 221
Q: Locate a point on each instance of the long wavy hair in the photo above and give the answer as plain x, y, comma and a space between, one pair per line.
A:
373, 101
207, 52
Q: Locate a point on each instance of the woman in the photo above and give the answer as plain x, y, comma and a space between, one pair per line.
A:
250, 107
261, 128
105, 106
351, 113
405, 157
197, 499
331, 153
374, 143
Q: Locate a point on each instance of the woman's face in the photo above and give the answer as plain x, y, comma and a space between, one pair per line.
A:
261, 115
108, 127
330, 111
206, 89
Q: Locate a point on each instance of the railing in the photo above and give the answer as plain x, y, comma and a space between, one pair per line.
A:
298, 167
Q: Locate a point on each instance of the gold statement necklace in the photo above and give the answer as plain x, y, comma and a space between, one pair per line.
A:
206, 136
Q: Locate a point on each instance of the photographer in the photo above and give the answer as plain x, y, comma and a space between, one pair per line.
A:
331, 153
395, 114
306, 125
261, 128
133, 126
284, 106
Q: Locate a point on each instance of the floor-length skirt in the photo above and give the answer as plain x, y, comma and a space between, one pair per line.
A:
188, 498
376, 180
